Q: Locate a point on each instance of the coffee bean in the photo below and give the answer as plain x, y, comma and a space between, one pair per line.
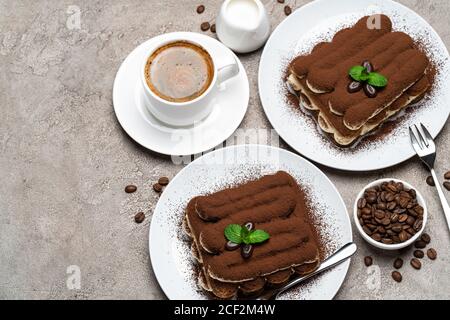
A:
354, 86
418, 254
367, 230
387, 241
205, 26
403, 236
402, 218
368, 261
379, 215
386, 221
418, 225
394, 218
447, 175
157, 187
410, 220
361, 203
412, 193
164, 181
432, 254
139, 217
287, 10
425, 237
376, 237
246, 251
397, 276
231, 246
200, 9
398, 263
391, 205
280, 1
430, 181
447, 185
371, 198
130, 188
366, 64
420, 244
416, 264
213, 28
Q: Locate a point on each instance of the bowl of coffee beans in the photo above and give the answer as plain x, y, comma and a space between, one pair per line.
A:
390, 214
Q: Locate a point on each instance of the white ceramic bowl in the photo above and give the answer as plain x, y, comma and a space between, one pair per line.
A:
380, 245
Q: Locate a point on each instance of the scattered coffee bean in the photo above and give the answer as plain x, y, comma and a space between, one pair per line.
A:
130, 189
200, 9
213, 28
447, 175
397, 276
416, 264
280, 1
432, 254
420, 244
430, 181
447, 185
389, 213
287, 10
368, 261
425, 238
418, 254
205, 26
164, 181
398, 263
139, 217
157, 187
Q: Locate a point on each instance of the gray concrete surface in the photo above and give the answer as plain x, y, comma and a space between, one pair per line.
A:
64, 159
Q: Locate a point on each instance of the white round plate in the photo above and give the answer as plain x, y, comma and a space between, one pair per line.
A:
146, 130
170, 252
318, 21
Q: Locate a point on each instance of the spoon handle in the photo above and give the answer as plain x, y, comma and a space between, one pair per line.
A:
336, 258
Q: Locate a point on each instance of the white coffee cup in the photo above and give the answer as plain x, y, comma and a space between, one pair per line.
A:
243, 25
187, 113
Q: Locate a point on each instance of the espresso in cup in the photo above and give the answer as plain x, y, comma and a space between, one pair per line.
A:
179, 71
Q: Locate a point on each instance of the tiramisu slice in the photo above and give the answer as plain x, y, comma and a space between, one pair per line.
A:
360, 79
252, 236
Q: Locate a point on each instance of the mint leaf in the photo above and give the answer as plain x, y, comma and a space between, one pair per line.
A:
244, 235
358, 73
258, 236
377, 80
233, 233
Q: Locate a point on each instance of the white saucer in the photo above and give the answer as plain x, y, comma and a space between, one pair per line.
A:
152, 134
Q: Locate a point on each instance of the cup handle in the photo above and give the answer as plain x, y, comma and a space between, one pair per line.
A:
227, 71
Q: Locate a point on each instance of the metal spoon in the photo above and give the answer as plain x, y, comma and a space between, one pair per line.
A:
336, 258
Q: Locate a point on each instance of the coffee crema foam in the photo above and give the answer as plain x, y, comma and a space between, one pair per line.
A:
179, 71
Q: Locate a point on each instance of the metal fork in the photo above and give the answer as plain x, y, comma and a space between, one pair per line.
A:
426, 150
